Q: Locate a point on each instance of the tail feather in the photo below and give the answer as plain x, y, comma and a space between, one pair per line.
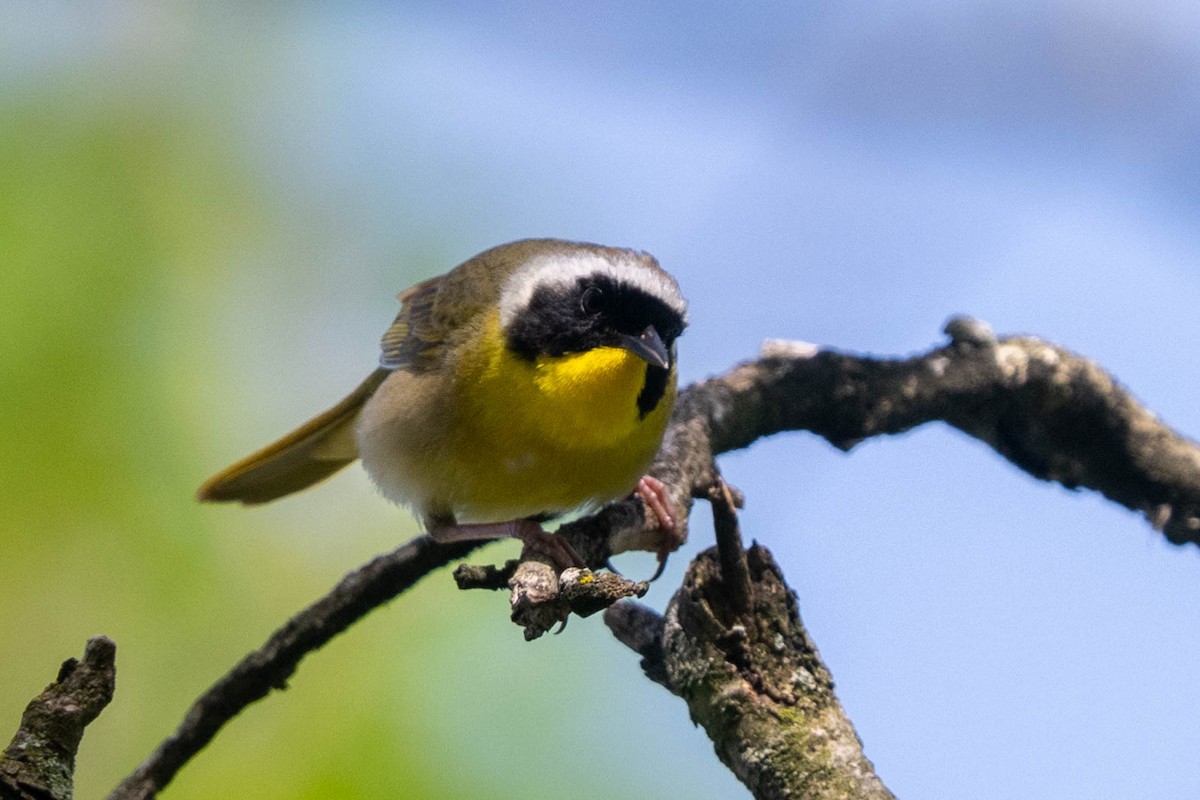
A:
309, 454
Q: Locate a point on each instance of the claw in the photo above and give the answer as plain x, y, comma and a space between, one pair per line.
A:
662, 565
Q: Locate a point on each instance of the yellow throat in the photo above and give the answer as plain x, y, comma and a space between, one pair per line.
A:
579, 401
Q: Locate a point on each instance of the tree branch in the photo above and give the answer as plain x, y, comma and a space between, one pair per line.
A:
754, 681
541, 598
1052, 413
39, 763
733, 647
1056, 415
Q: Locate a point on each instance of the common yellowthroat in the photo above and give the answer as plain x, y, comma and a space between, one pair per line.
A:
531, 380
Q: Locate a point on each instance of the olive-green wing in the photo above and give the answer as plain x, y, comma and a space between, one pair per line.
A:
415, 339
434, 312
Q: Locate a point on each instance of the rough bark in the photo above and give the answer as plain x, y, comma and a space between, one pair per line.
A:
39, 763
755, 682
733, 647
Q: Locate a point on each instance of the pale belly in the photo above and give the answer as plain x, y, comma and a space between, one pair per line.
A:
467, 473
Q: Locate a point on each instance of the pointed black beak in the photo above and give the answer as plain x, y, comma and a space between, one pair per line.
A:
648, 346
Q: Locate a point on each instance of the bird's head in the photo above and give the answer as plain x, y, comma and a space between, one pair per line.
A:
575, 298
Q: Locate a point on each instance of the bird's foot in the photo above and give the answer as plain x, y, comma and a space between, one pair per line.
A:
553, 547
654, 494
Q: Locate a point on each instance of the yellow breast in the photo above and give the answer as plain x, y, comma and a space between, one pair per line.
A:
550, 434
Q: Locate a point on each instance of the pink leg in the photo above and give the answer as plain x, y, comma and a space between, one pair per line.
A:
556, 548
654, 494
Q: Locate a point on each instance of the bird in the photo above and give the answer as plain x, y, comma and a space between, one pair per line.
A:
532, 380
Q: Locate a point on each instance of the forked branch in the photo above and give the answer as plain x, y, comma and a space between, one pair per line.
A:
1055, 414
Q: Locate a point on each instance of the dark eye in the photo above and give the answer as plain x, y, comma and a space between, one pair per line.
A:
591, 300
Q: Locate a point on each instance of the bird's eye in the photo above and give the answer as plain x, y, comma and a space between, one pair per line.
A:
590, 301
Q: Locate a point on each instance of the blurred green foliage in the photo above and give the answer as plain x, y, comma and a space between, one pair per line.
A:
117, 214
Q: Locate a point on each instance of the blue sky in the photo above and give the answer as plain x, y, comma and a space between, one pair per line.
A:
848, 174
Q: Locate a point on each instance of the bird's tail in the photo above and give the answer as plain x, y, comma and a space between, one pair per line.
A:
311, 453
